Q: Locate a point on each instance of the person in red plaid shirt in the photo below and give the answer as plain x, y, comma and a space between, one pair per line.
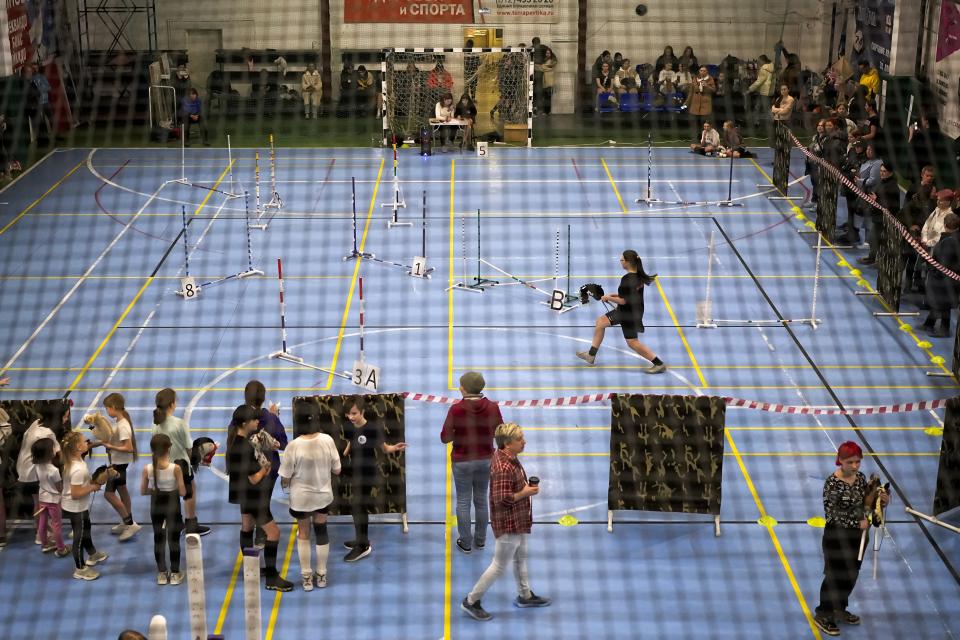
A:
511, 514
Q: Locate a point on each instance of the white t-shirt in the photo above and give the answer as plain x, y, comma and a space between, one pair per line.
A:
166, 478
121, 431
25, 469
308, 462
78, 475
49, 476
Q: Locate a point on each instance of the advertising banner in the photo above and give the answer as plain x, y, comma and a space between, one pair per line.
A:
409, 11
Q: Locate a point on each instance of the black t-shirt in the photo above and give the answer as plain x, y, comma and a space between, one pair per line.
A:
364, 443
468, 111
241, 464
631, 290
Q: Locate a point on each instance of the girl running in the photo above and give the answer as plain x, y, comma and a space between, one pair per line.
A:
121, 452
78, 490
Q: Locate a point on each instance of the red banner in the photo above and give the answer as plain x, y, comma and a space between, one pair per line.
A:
18, 30
420, 11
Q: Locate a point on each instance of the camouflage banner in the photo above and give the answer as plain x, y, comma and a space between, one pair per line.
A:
827, 204
387, 492
781, 157
890, 264
947, 496
666, 453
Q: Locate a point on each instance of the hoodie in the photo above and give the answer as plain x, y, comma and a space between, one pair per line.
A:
470, 426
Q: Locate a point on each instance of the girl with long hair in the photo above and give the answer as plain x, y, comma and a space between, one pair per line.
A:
78, 490
50, 488
122, 452
628, 313
162, 480
179, 433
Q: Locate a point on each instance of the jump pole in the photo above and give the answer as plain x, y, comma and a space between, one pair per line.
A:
648, 198
705, 308
729, 201
275, 201
479, 283
569, 301
183, 172
398, 202
285, 354
259, 224
355, 253
423, 240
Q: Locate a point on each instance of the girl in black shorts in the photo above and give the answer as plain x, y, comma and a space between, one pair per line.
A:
246, 489
628, 313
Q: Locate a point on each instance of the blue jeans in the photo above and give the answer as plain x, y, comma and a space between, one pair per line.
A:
472, 478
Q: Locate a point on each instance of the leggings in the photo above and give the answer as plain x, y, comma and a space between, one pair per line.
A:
165, 508
82, 541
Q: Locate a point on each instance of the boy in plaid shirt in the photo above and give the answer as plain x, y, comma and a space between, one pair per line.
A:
511, 514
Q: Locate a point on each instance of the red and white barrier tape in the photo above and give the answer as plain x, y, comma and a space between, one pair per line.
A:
923, 405
904, 233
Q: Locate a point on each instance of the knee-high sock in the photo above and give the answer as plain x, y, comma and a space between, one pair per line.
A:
303, 550
246, 539
270, 557
323, 546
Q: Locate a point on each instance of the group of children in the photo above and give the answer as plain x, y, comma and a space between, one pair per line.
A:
56, 474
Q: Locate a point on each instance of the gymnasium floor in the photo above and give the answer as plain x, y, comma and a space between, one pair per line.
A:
91, 260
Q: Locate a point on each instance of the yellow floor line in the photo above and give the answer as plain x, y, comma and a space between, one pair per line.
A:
613, 184
773, 537
683, 338
353, 281
453, 170
283, 573
448, 473
38, 200
225, 606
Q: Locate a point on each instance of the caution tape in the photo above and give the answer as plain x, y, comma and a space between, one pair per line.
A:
904, 233
905, 407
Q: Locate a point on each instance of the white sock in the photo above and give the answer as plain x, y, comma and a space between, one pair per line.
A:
303, 550
323, 552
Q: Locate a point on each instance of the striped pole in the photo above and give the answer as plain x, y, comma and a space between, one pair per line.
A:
246, 227
283, 308
186, 251
273, 167
353, 200
361, 319
256, 182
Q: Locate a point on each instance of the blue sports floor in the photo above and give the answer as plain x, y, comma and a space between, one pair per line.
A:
90, 262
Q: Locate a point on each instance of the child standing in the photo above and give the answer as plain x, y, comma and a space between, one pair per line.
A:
179, 433
163, 482
78, 489
306, 469
247, 476
121, 452
50, 488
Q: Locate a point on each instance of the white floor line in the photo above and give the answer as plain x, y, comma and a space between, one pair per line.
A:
29, 169
83, 278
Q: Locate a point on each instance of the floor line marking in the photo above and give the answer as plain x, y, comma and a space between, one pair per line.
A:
38, 200
23, 174
283, 573
353, 282
613, 184
683, 338
773, 537
448, 471
225, 605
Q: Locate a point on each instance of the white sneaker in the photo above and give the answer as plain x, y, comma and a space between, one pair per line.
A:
96, 558
307, 582
49, 548
86, 573
163, 578
117, 529
586, 357
321, 579
130, 531
36, 539
176, 578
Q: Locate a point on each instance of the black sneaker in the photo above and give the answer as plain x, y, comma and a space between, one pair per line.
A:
358, 553
533, 601
462, 546
276, 583
200, 530
349, 544
826, 625
479, 545
848, 618
475, 611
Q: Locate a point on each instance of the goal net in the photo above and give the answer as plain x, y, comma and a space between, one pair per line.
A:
498, 80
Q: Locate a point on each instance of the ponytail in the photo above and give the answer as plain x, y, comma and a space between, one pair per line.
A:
70, 445
631, 258
115, 401
241, 415
164, 400
159, 446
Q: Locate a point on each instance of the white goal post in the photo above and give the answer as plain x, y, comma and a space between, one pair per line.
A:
498, 79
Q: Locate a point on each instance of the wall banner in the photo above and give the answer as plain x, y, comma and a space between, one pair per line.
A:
409, 11
874, 33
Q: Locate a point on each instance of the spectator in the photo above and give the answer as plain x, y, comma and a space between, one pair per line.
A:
791, 75
700, 96
191, 114
471, 70
626, 79
466, 112
870, 79
853, 161
688, 61
598, 63
311, 87
869, 133
539, 55
664, 59
887, 195
762, 90
812, 168
617, 61
603, 83
5, 159
443, 114
47, 426
248, 60
933, 227
347, 86
470, 426
868, 179
849, 126
439, 82
857, 105
913, 215
709, 141
668, 96
40, 97
941, 291
732, 144
367, 95
666, 74
548, 68
782, 107
920, 139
